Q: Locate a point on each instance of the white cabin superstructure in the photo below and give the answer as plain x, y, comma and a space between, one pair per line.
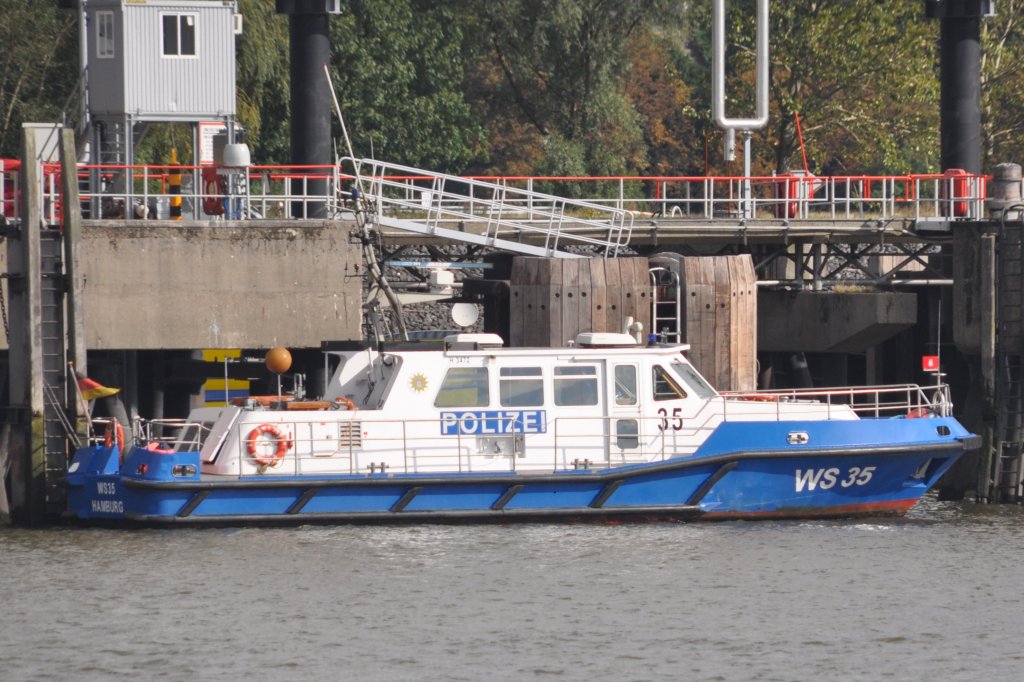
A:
478, 407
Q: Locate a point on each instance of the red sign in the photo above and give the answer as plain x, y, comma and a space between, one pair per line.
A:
930, 363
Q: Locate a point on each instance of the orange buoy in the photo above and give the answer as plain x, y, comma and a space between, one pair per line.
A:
279, 360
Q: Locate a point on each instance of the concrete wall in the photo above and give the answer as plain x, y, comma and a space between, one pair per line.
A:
155, 285
829, 322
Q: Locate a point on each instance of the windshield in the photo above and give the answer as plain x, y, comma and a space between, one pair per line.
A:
694, 381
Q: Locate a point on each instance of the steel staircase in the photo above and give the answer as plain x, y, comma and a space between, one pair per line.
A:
483, 213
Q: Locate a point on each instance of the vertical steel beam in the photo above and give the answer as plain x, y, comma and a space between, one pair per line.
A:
310, 104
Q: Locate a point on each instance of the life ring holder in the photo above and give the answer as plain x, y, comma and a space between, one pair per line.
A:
214, 190
283, 445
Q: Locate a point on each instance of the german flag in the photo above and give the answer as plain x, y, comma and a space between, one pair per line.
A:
91, 390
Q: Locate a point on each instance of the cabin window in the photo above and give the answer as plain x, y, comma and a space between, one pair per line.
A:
627, 434
576, 385
665, 386
625, 384
105, 35
693, 380
521, 387
179, 35
464, 387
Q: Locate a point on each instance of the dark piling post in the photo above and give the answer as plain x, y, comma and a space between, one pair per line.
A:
310, 49
960, 79
960, 137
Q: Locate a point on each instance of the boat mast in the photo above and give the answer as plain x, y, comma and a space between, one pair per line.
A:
368, 237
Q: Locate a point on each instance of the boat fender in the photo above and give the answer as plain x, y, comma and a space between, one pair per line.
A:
760, 397
264, 400
114, 433
347, 403
283, 444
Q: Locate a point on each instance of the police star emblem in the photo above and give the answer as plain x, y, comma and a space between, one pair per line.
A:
418, 383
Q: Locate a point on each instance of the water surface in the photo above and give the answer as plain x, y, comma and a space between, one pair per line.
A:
936, 595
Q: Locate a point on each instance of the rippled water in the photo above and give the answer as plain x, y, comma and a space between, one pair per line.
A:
936, 595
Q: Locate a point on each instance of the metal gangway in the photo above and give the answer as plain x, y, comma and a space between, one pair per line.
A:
508, 218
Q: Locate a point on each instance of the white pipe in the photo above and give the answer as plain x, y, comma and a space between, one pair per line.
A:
718, 70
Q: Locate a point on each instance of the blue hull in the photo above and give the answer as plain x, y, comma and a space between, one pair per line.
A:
857, 468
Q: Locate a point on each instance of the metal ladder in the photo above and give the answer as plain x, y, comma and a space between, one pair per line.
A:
503, 217
666, 305
55, 372
1008, 441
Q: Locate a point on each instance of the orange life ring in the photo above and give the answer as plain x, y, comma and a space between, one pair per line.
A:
283, 443
213, 188
114, 432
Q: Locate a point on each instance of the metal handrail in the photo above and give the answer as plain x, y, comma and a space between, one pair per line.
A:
874, 401
265, 192
576, 441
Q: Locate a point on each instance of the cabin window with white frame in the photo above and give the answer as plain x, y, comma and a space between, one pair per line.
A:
179, 34
105, 35
625, 385
666, 387
521, 386
576, 385
627, 434
464, 387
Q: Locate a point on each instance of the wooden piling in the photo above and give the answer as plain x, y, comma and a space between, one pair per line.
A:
719, 316
552, 300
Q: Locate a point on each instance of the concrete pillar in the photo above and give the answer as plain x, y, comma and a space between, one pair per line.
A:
1005, 201
27, 465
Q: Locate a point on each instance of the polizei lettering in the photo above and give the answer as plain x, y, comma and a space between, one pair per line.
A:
492, 422
826, 479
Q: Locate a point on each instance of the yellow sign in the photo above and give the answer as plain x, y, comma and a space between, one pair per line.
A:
214, 389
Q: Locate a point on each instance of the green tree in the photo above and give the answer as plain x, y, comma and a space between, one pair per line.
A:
38, 67
555, 74
1002, 89
262, 81
861, 75
398, 72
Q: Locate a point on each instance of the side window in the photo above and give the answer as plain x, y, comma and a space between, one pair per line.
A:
665, 387
627, 434
625, 385
105, 35
179, 35
521, 387
576, 385
464, 387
